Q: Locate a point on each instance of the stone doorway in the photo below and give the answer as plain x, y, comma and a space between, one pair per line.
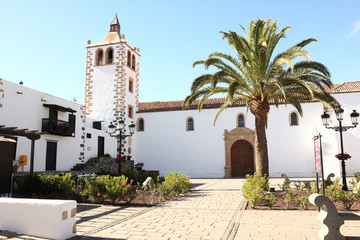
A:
230, 139
242, 160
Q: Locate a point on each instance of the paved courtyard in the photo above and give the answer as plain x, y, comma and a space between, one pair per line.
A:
214, 210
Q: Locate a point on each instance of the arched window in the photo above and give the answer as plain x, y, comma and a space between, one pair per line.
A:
133, 62
129, 58
294, 119
140, 125
99, 57
240, 120
109, 56
190, 124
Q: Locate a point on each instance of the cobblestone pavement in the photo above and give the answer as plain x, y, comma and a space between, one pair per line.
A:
208, 212
214, 210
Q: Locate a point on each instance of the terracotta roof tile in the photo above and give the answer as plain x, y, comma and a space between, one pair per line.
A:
161, 106
111, 37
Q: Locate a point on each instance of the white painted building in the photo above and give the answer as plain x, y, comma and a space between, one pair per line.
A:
167, 144
63, 121
168, 137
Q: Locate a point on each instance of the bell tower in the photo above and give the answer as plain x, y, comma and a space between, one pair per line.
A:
112, 80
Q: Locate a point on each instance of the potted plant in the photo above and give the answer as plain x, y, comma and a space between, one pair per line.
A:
15, 166
343, 156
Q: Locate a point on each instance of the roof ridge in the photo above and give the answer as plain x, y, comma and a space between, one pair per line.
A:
174, 105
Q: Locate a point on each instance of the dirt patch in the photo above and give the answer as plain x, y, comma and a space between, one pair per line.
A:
280, 204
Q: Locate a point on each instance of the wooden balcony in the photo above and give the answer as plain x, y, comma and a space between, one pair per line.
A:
57, 127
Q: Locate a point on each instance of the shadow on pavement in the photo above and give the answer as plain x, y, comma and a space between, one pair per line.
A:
93, 238
88, 218
194, 185
86, 207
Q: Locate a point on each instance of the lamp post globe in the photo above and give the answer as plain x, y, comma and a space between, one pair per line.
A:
132, 128
340, 114
111, 128
325, 119
121, 124
354, 117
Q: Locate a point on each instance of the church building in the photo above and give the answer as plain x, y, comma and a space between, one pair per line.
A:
169, 138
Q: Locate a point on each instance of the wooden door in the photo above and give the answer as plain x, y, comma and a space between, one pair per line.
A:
101, 146
7, 150
242, 160
51, 149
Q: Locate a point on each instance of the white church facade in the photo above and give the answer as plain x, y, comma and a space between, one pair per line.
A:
168, 137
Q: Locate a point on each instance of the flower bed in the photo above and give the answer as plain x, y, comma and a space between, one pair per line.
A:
256, 189
106, 189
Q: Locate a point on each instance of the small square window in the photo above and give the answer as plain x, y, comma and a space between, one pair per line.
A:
88, 135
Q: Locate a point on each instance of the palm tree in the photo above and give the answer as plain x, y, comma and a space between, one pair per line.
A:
258, 79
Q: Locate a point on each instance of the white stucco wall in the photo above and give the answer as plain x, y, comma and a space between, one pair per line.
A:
109, 79
103, 87
91, 149
165, 144
26, 110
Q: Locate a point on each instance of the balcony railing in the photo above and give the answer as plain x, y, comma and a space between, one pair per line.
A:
57, 127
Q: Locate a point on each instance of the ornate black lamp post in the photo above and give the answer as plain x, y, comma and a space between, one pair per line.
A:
339, 116
116, 131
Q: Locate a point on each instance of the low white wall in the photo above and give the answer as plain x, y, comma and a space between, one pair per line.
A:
53, 219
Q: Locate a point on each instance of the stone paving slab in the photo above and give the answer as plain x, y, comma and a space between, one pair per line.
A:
279, 225
204, 214
213, 211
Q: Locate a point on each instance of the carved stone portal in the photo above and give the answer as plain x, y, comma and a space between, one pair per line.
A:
233, 136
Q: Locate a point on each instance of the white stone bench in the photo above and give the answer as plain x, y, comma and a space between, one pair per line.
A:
329, 217
54, 219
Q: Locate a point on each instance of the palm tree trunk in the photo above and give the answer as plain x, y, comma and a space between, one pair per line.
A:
261, 151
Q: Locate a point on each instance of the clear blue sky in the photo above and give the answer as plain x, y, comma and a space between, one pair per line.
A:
43, 42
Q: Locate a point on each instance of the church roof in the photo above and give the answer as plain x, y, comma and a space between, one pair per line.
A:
161, 106
111, 37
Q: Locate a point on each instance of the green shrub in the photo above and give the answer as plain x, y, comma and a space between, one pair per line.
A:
137, 176
303, 202
116, 187
270, 199
56, 185
133, 191
24, 184
346, 198
96, 187
104, 187
174, 184
331, 191
255, 188
288, 199
356, 177
313, 187
285, 186
49, 185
